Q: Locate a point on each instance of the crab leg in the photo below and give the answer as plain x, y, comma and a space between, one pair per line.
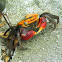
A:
46, 14
52, 21
7, 31
6, 19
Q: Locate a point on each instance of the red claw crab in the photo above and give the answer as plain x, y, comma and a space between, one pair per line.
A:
24, 30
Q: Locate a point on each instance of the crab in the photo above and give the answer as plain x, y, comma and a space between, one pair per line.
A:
24, 30
32, 21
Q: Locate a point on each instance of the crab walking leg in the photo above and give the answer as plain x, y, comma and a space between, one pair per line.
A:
52, 21
46, 14
7, 30
19, 40
6, 20
2, 35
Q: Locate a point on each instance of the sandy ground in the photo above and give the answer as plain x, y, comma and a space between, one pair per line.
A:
47, 45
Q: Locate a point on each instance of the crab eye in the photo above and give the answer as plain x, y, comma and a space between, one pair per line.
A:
25, 23
38, 16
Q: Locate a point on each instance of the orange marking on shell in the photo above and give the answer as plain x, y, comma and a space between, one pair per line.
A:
29, 20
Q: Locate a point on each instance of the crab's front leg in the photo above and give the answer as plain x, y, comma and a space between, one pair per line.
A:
19, 40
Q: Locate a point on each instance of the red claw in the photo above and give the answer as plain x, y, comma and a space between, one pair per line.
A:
28, 35
42, 19
43, 25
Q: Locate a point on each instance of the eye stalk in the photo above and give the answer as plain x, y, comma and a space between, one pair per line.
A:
25, 23
38, 16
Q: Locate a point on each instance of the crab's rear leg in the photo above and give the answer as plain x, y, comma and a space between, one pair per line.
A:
7, 31
10, 47
6, 19
46, 14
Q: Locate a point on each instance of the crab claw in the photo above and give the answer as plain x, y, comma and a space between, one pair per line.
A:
42, 27
42, 24
28, 35
41, 20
